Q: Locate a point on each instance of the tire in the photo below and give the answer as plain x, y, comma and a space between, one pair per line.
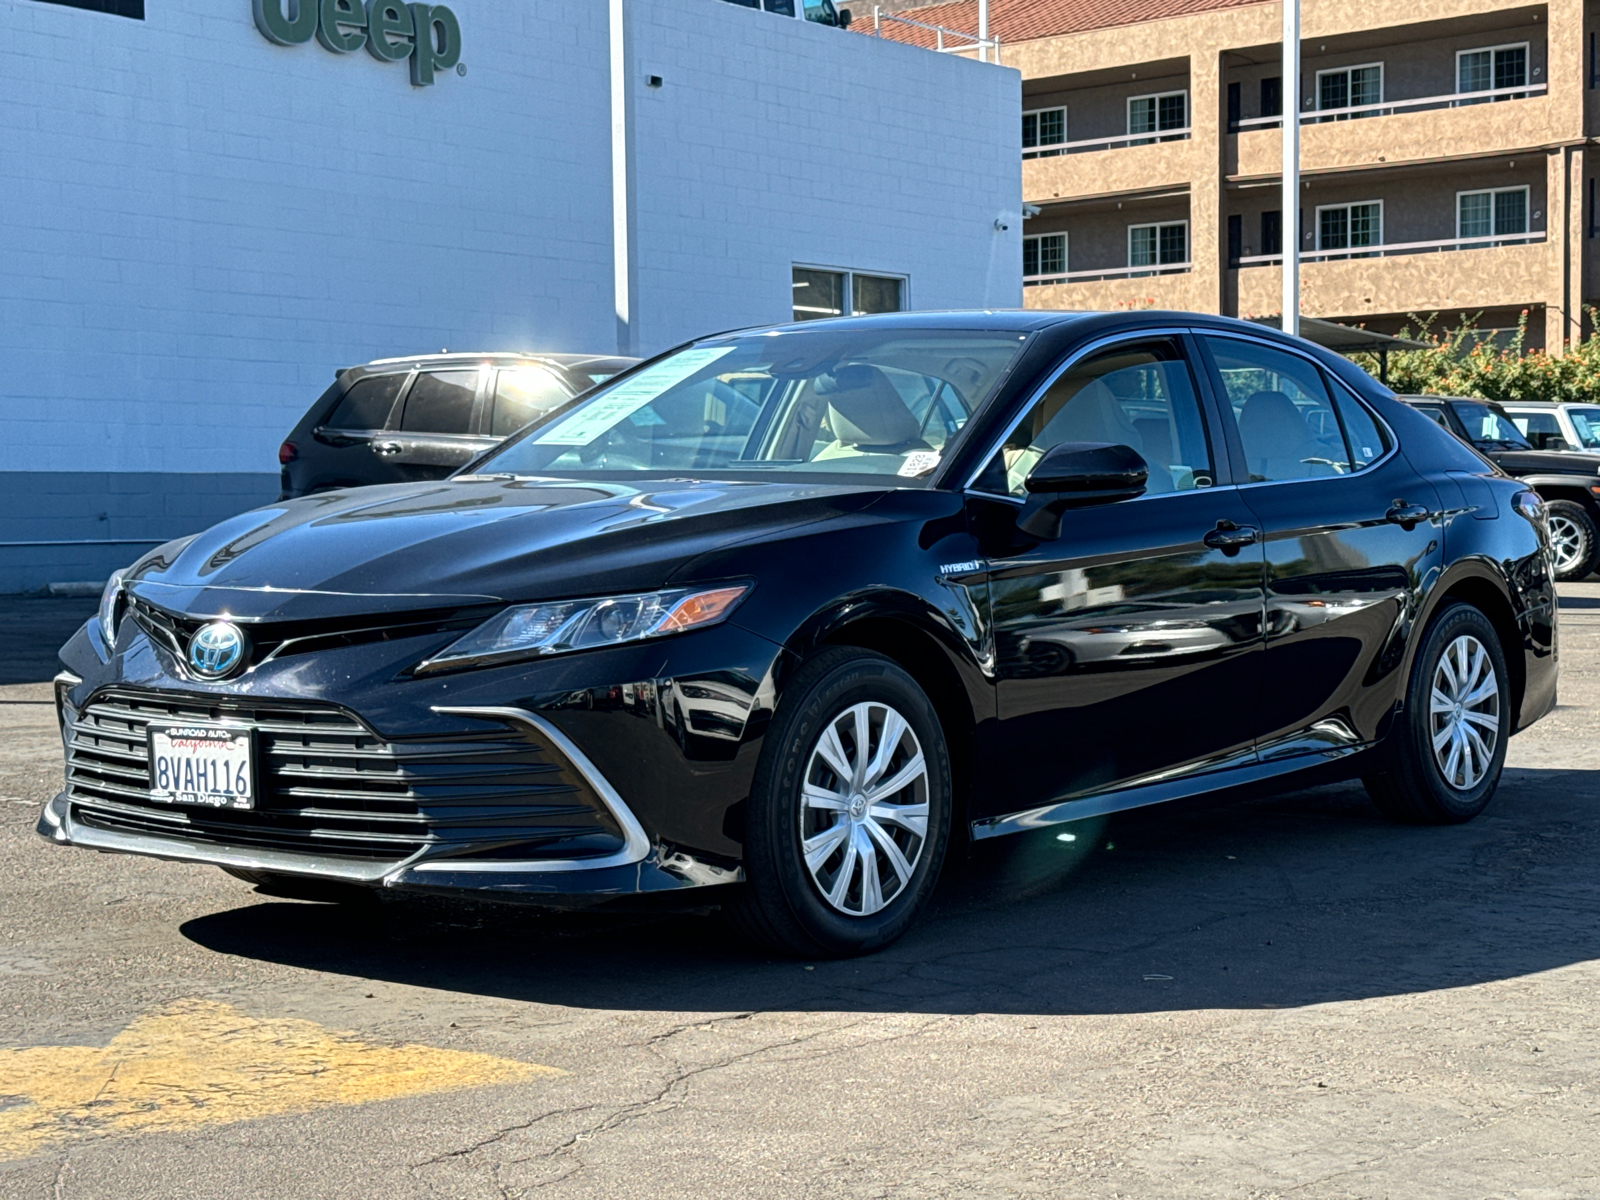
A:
786, 902
296, 887
1574, 540
1414, 787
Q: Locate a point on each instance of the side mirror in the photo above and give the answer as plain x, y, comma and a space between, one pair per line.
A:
845, 17
1556, 442
1078, 475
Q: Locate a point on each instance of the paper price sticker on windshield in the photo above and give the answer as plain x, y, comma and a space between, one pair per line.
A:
918, 462
621, 402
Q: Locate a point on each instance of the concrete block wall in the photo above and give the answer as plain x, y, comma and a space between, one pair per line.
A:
200, 227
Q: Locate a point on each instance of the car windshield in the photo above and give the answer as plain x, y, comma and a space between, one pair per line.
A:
818, 403
1489, 426
1586, 424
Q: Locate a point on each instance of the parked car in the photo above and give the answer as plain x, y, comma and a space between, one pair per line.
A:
1569, 481
403, 419
765, 625
1549, 425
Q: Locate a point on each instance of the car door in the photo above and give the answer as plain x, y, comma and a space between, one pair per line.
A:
438, 428
345, 442
1351, 532
1128, 647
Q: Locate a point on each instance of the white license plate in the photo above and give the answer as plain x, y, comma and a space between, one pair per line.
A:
201, 764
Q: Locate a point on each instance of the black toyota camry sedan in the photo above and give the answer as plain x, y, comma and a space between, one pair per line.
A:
780, 619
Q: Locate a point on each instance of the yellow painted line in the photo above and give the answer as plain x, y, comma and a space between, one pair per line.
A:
197, 1063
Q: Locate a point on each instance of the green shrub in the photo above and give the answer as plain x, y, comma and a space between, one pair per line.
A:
1461, 363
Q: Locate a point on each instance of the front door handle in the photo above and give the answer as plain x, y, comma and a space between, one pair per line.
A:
1407, 515
386, 449
1231, 538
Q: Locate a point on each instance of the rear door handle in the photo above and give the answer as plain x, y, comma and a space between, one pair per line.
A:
1231, 538
1407, 515
386, 449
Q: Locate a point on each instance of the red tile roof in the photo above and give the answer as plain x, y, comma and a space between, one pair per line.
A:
1024, 20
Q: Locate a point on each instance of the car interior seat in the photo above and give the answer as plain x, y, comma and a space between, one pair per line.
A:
866, 414
1092, 414
1277, 441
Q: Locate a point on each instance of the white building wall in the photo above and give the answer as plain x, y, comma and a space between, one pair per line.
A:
200, 227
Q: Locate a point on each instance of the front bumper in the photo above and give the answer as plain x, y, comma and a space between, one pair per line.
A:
658, 782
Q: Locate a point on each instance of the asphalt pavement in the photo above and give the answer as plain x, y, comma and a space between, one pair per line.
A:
1278, 998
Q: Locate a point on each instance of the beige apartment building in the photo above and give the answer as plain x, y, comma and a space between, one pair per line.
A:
1445, 156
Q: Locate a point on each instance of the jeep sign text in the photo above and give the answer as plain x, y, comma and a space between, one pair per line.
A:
428, 34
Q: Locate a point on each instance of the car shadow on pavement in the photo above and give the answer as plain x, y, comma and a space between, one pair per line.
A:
1296, 900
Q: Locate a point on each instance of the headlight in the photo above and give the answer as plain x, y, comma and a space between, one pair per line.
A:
111, 606
561, 626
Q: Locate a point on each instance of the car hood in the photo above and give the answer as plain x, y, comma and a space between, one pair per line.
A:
465, 541
1539, 462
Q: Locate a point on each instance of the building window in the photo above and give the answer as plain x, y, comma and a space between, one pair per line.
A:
1345, 226
819, 292
1158, 113
115, 8
1044, 255
1042, 129
1161, 245
1492, 68
1272, 96
1350, 87
1491, 212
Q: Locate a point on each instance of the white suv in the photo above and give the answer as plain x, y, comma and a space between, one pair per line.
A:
1544, 423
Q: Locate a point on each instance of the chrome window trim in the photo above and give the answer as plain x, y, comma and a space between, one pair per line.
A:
1225, 403
636, 844
1038, 393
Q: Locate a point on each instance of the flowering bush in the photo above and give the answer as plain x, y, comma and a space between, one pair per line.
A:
1461, 362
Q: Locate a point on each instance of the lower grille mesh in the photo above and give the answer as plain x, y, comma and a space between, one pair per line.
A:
328, 785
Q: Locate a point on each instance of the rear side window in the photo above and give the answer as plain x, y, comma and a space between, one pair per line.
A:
1364, 435
1283, 410
367, 404
523, 395
441, 402
1435, 415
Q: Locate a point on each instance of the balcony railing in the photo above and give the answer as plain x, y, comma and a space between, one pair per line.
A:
1394, 249
1386, 107
1107, 143
1106, 273
961, 41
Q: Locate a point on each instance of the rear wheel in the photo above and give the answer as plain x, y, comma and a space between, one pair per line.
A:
850, 813
1446, 753
1573, 539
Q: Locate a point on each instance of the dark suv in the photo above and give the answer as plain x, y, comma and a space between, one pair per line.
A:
1568, 481
402, 419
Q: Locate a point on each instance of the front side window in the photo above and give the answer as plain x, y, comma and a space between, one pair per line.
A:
441, 402
1346, 226
1138, 394
1285, 414
1350, 87
1492, 69
521, 396
1586, 424
1492, 212
821, 402
1487, 427
1044, 256
368, 403
1538, 427
1157, 114
1160, 245
1042, 130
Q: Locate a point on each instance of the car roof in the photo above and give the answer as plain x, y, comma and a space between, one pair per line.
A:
461, 357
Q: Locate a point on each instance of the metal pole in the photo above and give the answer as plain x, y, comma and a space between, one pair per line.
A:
1289, 222
983, 30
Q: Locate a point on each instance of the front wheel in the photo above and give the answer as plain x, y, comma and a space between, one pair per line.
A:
1573, 539
1449, 746
850, 813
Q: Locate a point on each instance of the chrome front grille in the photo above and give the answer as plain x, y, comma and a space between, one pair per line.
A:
328, 785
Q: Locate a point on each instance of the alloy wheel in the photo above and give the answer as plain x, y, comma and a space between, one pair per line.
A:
1464, 712
864, 808
1568, 542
